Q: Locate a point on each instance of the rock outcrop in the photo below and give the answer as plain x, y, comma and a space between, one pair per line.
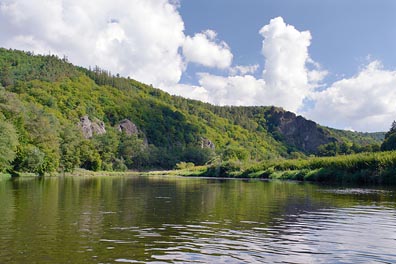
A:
91, 127
206, 143
299, 132
127, 127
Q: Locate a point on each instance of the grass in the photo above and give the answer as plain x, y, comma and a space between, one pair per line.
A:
192, 171
364, 168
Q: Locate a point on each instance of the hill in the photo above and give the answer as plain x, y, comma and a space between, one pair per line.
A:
56, 116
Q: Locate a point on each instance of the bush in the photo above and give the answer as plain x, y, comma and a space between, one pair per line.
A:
119, 165
184, 165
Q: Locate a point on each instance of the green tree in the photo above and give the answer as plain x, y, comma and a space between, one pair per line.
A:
71, 139
390, 138
43, 132
8, 145
107, 146
197, 155
89, 156
31, 159
330, 149
235, 153
133, 151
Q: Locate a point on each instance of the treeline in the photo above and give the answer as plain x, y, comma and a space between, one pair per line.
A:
42, 99
34, 139
374, 164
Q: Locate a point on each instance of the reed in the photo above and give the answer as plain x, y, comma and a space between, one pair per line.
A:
365, 168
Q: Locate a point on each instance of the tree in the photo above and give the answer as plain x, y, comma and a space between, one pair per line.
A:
133, 151
330, 149
8, 145
197, 155
43, 132
89, 156
107, 146
71, 139
390, 138
235, 153
30, 159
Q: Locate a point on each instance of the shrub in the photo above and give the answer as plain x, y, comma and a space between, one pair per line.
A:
184, 165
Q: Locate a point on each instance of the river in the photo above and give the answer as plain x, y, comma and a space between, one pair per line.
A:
180, 220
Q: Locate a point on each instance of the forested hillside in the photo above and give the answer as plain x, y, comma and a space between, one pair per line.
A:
56, 117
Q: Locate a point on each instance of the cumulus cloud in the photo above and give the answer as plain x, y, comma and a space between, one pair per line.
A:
286, 56
243, 70
118, 36
364, 102
204, 49
286, 81
115, 35
190, 91
232, 90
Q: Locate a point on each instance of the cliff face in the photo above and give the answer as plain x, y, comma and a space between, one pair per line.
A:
206, 143
127, 127
91, 127
97, 127
299, 132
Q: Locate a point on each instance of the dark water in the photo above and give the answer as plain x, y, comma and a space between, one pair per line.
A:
179, 220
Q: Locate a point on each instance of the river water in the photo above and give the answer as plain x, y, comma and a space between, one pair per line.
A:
193, 220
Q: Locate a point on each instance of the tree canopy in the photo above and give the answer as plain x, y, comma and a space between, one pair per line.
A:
42, 99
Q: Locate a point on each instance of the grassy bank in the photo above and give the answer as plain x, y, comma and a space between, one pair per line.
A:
364, 168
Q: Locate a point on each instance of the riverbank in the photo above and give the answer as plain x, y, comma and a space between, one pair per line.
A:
363, 168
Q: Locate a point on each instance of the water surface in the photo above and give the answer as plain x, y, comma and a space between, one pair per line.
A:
174, 219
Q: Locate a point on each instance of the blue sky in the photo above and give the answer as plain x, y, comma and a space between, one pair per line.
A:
332, 61
344, 32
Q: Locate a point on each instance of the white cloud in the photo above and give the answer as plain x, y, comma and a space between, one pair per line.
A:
286, 80
364, 102
286, 52
139, 38
118, 36
204, 49
189, 91
243, 70
233, 90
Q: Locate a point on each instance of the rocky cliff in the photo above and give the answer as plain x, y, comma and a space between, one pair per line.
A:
299, 132
127, 127
206, 143
91, 127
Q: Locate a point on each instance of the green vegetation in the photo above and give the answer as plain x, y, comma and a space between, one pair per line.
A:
364, 168
43, 98
8, 145
390, 138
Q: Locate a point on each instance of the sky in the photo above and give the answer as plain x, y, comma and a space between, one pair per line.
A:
332, 61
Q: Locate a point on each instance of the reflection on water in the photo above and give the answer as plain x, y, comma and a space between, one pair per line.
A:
172, 219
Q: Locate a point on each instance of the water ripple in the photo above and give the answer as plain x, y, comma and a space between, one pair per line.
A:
338, 235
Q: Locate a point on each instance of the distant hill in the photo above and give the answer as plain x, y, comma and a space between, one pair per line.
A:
60, 116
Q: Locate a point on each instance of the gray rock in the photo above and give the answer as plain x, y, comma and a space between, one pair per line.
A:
90, 128
127, 127
297, 131
98, 127
206, 143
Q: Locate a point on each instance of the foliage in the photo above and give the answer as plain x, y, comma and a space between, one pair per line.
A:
71, 139
43, 97
378, 167
8, 145
345, 148
390, 138
184, 165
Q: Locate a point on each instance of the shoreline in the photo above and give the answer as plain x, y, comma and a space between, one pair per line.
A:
366, 168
